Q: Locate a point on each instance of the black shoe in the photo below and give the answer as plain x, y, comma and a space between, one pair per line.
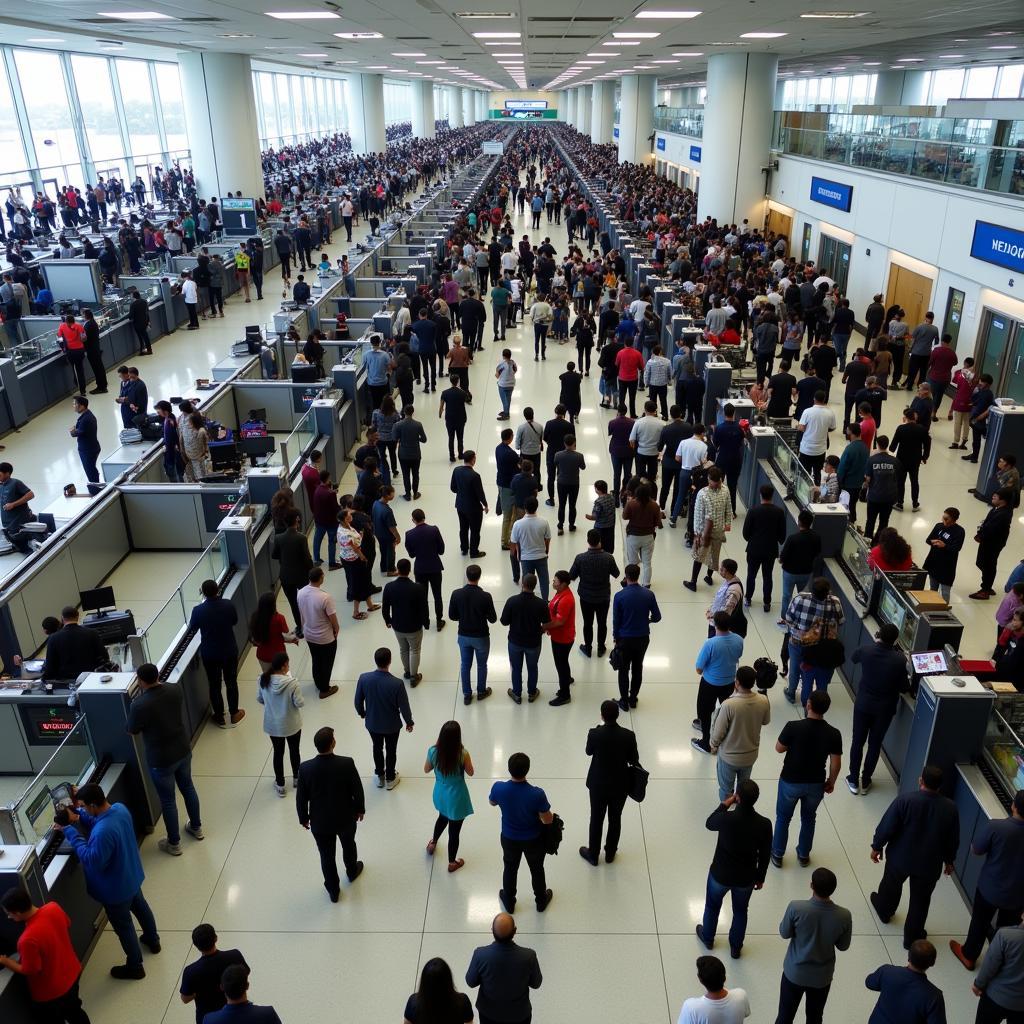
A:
542, 903
777, 860
550, 502
690, 586
709, 579
874, 902
623, 704
602, 651
153, 947
125, 973
558, 701
478, 554
767, 606
735, 952
515, 696
609, 856
441, 623
484, 694
632, 702
704, 748
358, 871
586, 651
803, 861
467, 699
585, 854
699, 930
510, 908
334, 894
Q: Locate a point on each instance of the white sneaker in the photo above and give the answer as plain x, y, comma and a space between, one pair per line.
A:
394, 782
174, 849
279, 789
195, 831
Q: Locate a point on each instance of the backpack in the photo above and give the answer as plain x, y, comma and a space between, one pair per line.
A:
766, 674
737, 620
551, 835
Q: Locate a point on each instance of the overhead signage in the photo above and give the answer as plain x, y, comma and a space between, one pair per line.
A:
526, 104
1001, 246
832, 193
615, 132
238, 216
492, 147
695, 154
661, 144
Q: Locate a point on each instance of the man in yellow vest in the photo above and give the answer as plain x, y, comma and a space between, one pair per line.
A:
242, 270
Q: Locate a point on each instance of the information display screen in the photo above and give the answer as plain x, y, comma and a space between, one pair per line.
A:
238, 216
929, 663
526, 104
48, 724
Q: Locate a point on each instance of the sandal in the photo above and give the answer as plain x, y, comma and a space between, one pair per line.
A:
372, 608
431, 847
455, 865
359, 615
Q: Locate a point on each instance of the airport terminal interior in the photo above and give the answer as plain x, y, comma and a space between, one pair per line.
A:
883, 150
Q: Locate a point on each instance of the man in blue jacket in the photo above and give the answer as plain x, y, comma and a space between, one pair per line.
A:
113, 872
235, 984
215, 619
85, 430
382, 702
634, 608
906, 996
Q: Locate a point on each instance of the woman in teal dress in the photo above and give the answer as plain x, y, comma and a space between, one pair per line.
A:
450, 762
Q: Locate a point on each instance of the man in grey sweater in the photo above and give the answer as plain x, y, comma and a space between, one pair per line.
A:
1000, 982
816, 928
736, 731
504, 973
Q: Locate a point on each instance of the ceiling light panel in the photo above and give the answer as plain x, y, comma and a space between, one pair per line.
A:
668, 15
636, 35
303, 15
358, 35
497, 35
762, 35
135, 15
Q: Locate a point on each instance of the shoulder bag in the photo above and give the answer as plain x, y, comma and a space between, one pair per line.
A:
820, 645
637, 784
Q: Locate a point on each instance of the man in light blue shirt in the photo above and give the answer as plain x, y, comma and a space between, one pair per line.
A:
717, 662
376, 363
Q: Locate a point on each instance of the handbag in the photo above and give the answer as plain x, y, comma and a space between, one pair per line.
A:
820, 649
615, 658
636, 788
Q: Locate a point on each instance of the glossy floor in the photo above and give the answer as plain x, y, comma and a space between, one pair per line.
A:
617, 942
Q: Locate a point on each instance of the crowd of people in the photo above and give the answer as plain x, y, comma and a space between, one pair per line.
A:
666, 464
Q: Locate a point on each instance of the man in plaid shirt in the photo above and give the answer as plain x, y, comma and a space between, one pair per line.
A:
807, 608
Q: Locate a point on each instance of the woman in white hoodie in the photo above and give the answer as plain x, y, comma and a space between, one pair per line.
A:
281, 698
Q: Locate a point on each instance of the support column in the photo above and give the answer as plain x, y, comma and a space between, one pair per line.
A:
889, 89
602, 114
468, 111
583, 105
366, 115
737, 136
675, 97
423, 110
569, 95
780, 88
636, 118
481, 106
223, 130
915, 89
454, 107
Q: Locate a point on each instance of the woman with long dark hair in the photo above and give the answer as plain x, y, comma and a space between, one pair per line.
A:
450, 762
281, 504
356, 564
268, 630
437, 1001
281, 698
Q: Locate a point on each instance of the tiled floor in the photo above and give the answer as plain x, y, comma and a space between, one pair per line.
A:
617, 943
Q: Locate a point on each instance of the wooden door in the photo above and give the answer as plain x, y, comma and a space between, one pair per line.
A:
780, 224
912, 291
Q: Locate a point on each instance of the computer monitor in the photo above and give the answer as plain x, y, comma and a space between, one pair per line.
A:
256, 447
386, 267
304, 373
929, 663
223, 456
97, 599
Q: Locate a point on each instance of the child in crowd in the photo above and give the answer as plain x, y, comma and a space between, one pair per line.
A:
829, 489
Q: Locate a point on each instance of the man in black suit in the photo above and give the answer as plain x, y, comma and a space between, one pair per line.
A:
612, 750
215, 619
73, 649
454, 400
919, 835
470, 504
425, 546
764, 529
405, 610
291, 549
329, 801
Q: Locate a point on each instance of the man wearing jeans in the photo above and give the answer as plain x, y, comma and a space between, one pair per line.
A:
524, 809
473, 608
530, 540
525, 615
383, 704
156, 713
505, 374
113, 873
815, 606
717, 665
740, 863
798, 557
320, 629
808, 744
690, 453
634, 608
736, 733
215, 619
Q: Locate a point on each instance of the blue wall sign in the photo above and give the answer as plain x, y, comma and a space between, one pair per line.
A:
993, 243
661, 144
615, 132
695, 154
832, 193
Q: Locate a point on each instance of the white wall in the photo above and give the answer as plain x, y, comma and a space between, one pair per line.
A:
496, 100
677, 150
923, 225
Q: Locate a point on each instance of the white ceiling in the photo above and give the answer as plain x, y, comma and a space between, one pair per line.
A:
555, 33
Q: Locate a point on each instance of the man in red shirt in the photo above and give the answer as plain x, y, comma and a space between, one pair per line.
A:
629, 362
47, 959
941, 361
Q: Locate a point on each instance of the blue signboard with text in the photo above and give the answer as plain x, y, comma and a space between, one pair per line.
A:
661, 144
695, 154
615, 131
996, 244
832, 193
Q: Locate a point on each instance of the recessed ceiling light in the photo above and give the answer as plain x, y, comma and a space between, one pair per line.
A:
950, 56
358, 35
497, 35
344, 62
762, 35
376, 67
135, 15
664, 62
484, 14
1002, 47
636, 35
872, 63
668, 14
642, 67
437, 62
44, 39
623, 42
302, 15
409, 53
311, 55
508, 56
1009, 33
687, 53
835, 14
910, 60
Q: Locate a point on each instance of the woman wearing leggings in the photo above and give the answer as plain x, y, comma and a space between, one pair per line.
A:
281, 698
450, 762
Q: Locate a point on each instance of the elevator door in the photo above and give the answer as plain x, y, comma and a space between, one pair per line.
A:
780, 224
1001, 353
912, 291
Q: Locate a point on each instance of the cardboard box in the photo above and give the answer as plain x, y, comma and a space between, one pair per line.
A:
927, 600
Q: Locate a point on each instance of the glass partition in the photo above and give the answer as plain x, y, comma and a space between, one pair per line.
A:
681, 120
854, 553
300, 441
1003, 745
27, 353
72, 762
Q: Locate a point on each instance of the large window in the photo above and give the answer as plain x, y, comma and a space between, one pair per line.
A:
168, 86
836, 92
12, 156
96, 98
397, 102
292, 108
139, 112
49, 115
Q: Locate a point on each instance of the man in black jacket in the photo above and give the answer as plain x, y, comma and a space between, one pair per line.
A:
675, 431
764, 529
473, 608
73, 649
470, 504
919, 835
525, 614
454, 400
472, 316
992, 536
329, 801
883, 677
405, 610
742, 855
555, 432
138, 314
291, 549
216, 619
595, 568
612, 749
